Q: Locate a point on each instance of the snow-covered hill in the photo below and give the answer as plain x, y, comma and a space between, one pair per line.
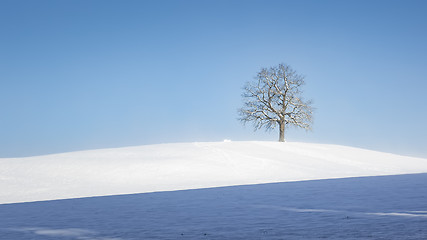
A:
166, 167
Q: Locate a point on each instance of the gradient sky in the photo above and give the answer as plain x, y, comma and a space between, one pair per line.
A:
78, 75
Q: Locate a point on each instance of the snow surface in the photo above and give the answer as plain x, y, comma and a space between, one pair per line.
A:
382, 207
167, 167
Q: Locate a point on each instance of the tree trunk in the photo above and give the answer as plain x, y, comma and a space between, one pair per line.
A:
282, 132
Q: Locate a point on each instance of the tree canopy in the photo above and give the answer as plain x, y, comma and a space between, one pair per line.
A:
274, 99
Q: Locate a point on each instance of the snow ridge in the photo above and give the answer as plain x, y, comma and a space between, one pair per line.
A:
168, 167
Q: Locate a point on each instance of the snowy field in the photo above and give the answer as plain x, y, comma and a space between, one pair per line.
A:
235, 190
167, 167
386, 207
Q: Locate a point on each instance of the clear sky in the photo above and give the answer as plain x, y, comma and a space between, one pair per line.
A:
78, 75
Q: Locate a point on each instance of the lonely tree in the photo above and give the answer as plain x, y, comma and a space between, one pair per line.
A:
274, 99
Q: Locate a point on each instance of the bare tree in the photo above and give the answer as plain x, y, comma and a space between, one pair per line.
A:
275, 99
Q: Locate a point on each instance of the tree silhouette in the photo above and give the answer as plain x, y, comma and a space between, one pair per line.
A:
275, 99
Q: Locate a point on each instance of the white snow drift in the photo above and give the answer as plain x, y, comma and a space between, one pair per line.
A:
180, 166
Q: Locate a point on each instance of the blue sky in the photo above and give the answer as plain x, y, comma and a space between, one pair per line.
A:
78, 75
